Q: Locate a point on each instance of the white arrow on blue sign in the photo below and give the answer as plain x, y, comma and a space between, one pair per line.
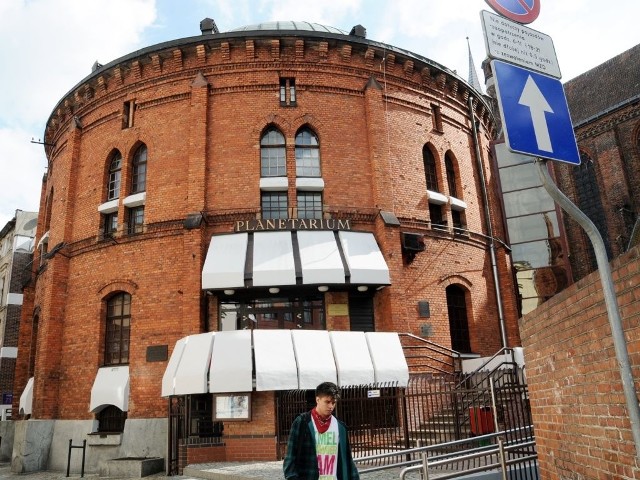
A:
534, 112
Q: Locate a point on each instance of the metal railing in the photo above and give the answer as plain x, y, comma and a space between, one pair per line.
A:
425, 355
462, 457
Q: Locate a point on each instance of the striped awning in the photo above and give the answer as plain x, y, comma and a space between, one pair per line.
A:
287, 258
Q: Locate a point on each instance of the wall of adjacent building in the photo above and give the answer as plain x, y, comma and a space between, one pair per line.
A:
578, 406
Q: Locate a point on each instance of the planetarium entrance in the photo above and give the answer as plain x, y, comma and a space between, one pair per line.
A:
281, 312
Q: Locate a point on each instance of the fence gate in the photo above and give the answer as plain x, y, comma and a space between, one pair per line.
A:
177, 432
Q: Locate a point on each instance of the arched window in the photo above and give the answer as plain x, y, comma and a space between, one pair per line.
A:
139, 170
458, 322
115, 171
590, 201
118, 325
307, 154
451, 175
272, 154
430, 172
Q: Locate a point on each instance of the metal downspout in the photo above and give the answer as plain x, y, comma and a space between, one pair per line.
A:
610, 299
492, 245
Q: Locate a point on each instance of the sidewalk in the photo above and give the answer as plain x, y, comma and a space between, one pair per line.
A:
261, 471
206, 471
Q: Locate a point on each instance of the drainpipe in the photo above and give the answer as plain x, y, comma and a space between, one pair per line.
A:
492, 245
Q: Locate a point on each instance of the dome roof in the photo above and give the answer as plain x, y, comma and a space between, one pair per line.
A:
290, 25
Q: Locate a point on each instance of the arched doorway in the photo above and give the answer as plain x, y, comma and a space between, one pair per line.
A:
458, 322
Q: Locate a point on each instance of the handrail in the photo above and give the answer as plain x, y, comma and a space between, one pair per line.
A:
417, 450
473, 453
453, 353
454, 356
502, 351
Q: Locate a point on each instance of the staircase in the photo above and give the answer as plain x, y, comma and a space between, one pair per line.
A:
441, 399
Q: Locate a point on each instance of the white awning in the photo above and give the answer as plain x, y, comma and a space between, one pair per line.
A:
111, 387
268, 259
284, 360
352, 358
273, 259
26, 399
387, 356
364, 258
169, 377
191, 374
314, 357
320, 258
224, 265
275, 360
231, 366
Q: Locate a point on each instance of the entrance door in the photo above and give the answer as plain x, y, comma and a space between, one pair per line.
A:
458, 322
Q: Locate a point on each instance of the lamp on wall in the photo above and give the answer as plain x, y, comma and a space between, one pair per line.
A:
229, 292
362, 288
323, 288
274, 290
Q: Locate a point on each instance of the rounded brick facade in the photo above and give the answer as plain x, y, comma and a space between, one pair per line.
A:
200, 106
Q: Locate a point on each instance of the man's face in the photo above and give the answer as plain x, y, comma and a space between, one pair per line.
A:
325, 405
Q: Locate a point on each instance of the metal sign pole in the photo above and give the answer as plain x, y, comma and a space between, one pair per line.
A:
613, 312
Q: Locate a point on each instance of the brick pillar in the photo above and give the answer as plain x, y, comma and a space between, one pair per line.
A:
52, 299
378, 146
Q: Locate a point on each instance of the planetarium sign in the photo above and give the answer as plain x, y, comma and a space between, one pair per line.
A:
292, 224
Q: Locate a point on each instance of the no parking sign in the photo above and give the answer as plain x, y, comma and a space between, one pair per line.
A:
521, 11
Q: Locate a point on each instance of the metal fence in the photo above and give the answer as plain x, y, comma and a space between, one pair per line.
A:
432, 411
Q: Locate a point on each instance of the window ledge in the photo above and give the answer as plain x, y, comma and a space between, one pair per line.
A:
104, 438
457, 204
437, 198
109, 207
310, 184
135, 200
268, 184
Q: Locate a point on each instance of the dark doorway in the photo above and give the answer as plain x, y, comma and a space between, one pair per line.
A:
458, 322
361, 312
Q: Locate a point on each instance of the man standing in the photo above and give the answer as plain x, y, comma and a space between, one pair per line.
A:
318, 447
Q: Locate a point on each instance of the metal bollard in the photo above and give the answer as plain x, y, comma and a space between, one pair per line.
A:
84, 448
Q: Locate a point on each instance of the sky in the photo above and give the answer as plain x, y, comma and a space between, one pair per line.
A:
48, 46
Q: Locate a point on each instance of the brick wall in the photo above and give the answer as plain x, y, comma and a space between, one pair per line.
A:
611, 142
579, 411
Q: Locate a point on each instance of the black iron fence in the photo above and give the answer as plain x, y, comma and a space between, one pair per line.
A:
431, 411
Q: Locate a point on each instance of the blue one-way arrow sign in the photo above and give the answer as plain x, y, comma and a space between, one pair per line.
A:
534, 112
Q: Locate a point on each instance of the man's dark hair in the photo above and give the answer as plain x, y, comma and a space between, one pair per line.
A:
328, 389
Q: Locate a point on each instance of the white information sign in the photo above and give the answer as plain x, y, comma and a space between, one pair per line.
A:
514, 43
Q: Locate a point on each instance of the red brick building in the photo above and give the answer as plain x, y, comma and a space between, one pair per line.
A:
605, 109
280, 176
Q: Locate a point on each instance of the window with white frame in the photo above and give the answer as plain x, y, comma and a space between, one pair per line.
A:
272, 154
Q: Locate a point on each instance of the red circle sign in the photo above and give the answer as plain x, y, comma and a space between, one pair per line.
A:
521, 11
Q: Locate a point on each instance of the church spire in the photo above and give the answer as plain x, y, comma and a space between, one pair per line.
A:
473, 76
